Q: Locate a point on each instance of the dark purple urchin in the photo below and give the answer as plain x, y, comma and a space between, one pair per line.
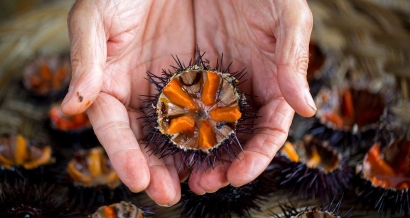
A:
229, 200
383, 176
91, 181
197, 112
395, 202
348, 116
47, 78
312, 170
22, 199
330, 210
70, 131
23, 158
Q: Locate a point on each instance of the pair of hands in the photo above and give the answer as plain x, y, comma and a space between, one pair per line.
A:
114, 44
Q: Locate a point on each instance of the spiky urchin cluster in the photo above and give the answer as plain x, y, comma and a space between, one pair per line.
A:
318, 172
229, 200
196, 116
22, 199
330, 210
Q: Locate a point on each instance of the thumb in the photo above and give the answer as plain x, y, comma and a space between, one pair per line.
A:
295, 27
88, 56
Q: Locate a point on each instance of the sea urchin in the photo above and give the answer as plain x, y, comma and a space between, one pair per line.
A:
198, 111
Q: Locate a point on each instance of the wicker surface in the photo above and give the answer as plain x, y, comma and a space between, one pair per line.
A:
361, 36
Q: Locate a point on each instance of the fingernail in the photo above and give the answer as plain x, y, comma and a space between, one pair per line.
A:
309, 100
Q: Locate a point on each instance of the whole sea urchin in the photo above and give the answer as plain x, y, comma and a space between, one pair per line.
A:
198, 111
312, 169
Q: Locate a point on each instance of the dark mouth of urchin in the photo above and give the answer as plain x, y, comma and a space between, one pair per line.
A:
349, 108
162, 144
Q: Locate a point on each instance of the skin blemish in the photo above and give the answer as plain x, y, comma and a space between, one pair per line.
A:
80, 97
88, 103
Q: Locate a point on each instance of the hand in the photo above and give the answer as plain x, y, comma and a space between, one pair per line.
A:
114, 45
271, 39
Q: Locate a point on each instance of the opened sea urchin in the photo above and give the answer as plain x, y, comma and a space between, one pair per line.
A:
198, 111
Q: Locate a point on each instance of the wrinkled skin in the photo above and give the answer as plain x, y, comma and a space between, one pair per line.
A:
114, 44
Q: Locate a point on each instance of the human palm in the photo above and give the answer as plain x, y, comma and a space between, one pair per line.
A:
112, 51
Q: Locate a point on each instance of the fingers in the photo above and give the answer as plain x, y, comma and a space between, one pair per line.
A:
183, 172
137, 169
111, 125
164, 187
292, 56
259, 151
201, 182
88, 56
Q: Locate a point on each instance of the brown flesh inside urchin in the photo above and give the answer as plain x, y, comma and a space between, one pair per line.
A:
315, 213
93, 168
198, 109
312, 153
355, 106
17, 151
389, 168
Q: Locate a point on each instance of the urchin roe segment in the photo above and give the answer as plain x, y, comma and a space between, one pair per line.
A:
198, 109
390, 167
92, 168
174, 92
15, 150
313, 153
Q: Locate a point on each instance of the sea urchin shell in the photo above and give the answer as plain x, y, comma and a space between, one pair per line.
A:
92, 168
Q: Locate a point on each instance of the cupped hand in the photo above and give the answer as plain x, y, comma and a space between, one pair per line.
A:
114, 43
271, 39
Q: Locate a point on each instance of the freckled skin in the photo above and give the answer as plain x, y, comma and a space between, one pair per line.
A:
80, 97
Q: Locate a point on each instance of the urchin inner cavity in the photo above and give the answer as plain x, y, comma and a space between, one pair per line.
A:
198, 109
